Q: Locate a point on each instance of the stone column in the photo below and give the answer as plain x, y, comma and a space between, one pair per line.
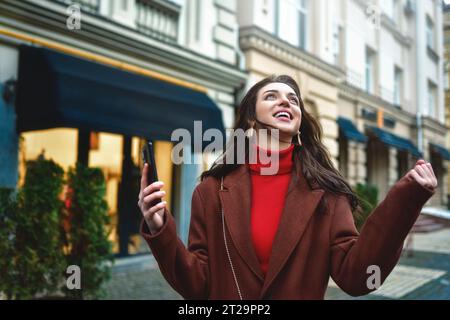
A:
357, 171
356, 163
361, 163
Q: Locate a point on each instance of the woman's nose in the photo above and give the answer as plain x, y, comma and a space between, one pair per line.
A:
284, 101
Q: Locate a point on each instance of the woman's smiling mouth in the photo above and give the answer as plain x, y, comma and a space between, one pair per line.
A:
284, 116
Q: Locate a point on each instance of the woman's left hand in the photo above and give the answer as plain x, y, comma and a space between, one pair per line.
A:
424, 175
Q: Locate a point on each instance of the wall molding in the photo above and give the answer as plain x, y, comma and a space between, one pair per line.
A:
254, 38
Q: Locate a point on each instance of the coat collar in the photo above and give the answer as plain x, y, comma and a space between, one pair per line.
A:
299, 207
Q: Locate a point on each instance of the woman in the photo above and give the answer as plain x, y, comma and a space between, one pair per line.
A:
280, 236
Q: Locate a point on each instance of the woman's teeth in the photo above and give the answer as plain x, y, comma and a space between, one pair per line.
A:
283, 114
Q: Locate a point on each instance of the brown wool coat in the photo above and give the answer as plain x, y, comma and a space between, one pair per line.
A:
309, 246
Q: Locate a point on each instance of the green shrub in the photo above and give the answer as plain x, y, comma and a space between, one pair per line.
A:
368, 197
38, 258
8, 207
87, 238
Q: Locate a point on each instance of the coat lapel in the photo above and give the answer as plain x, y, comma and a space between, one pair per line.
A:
300, 205
236, 204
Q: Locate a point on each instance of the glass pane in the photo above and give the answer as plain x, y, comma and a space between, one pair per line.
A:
108, 157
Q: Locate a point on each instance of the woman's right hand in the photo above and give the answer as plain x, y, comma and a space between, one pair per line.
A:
153, 216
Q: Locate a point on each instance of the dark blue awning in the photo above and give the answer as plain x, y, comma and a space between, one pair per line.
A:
58, 90
350, 131
441, 150
395, 141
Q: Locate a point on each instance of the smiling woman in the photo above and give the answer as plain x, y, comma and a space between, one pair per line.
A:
259, 110
278, 107
280, 236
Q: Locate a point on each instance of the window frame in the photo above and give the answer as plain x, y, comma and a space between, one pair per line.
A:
369, 65
398, 86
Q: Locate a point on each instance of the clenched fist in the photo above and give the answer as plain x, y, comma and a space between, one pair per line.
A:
153, 216
424, 175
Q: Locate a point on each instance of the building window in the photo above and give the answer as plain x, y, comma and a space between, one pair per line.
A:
265, 7
303, 22
276, 16
369, 71
125, 5
431, 99
337, 43
430, 33
395, 11
197, 19
291, 21
398, 86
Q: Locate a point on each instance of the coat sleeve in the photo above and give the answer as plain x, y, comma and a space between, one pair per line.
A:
185, 269
382, 235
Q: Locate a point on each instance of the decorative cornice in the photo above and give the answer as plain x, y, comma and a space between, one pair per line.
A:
361, 97
254, 38
103, 36
434, 125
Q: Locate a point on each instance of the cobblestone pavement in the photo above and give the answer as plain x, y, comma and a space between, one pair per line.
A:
139, 279
425, 275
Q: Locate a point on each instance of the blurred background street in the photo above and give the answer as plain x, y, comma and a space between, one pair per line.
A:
84, 84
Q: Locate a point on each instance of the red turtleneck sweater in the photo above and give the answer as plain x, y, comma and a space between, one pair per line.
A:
268, 195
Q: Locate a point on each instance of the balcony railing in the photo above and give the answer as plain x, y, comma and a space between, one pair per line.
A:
92, 6
356, 79
158, 18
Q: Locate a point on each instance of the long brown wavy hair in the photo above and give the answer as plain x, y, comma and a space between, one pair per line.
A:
315, 158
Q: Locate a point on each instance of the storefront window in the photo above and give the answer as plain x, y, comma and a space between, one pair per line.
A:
120, 160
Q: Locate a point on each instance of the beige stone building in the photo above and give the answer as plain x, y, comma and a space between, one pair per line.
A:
370, 72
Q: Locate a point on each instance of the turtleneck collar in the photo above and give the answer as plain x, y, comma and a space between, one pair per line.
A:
284, 157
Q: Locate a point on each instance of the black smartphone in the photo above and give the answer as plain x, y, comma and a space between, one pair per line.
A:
148, 157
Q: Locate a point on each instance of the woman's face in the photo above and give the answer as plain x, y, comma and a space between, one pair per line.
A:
278, 106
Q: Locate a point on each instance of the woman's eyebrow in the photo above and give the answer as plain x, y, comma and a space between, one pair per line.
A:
289, 94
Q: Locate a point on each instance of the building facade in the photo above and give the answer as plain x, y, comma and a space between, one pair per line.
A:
116, 72
370, 71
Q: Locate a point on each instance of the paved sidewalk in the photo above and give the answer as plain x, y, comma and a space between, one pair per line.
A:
425, 275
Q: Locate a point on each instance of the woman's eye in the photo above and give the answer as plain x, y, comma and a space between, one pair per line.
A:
270, 96
294, 100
